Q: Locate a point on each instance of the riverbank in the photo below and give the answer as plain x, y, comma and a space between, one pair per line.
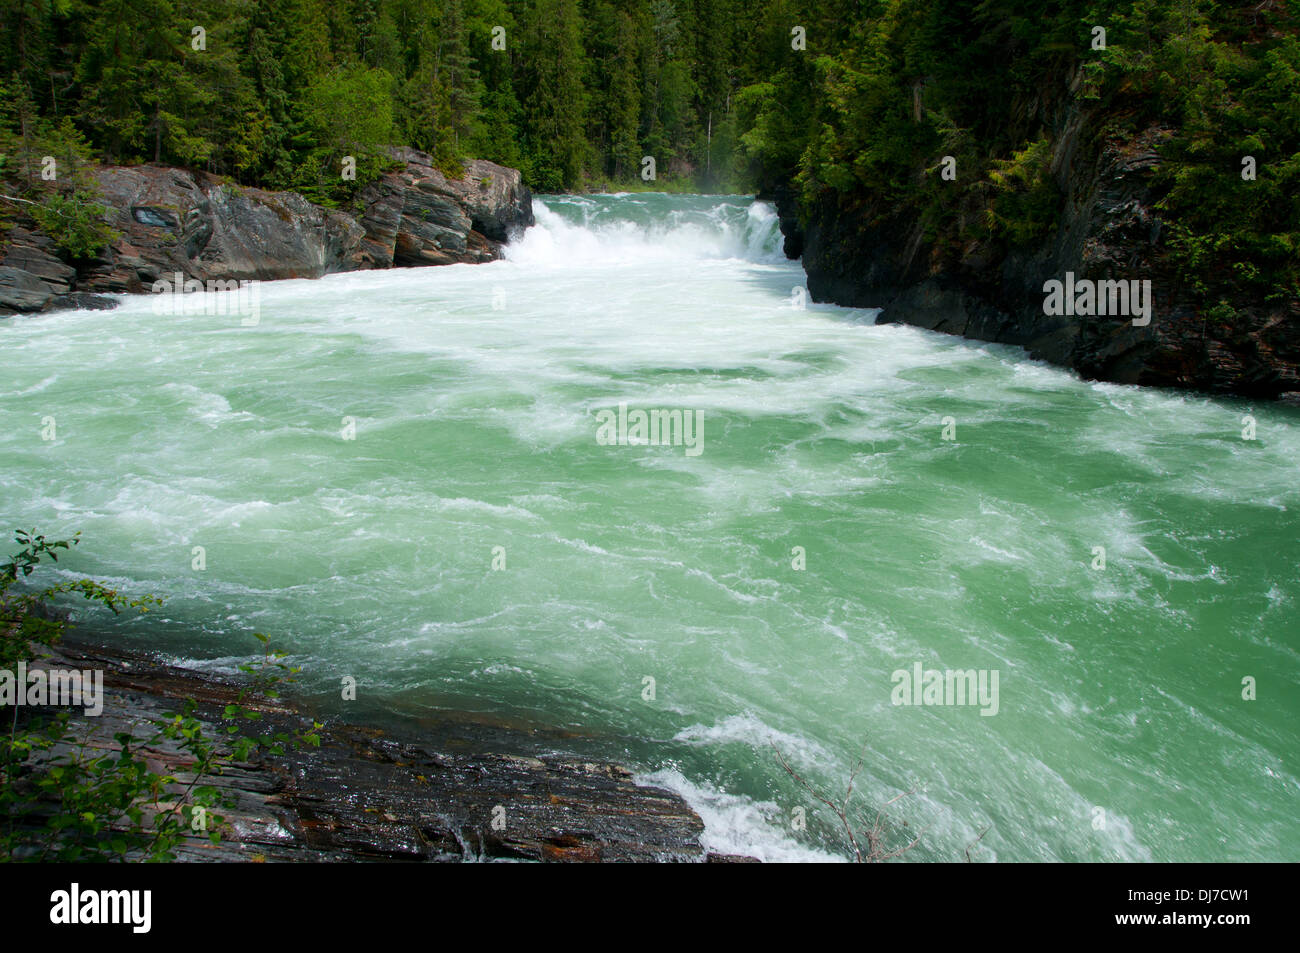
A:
372, 794
173, 222
878, 256
1119, 239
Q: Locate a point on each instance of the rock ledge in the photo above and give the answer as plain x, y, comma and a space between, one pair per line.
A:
366, 794
174, 221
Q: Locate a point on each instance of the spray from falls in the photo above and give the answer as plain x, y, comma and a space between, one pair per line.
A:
579, 231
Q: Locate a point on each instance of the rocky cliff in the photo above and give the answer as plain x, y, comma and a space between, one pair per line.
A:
860, 252
172, 220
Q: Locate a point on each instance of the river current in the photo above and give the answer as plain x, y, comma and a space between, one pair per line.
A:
402, 477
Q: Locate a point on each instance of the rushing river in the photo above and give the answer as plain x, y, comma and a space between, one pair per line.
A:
401, 476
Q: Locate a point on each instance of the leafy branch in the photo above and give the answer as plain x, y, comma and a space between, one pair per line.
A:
102, 801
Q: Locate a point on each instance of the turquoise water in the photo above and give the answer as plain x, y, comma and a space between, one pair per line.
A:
475, 396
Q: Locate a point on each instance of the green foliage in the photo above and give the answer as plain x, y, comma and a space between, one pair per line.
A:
349, 113
67, 794
1024, 206
576, 92
66, 208
570, 91
1224, 84
555, 108
75, 221
22, 619
351, 109
990, 83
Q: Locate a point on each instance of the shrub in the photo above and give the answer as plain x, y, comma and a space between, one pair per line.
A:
65, 795
75, 221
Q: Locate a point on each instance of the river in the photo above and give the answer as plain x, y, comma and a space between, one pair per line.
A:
401, 477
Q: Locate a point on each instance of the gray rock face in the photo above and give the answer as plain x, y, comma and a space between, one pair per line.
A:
175, 221
417, 216
22, 291
34, 253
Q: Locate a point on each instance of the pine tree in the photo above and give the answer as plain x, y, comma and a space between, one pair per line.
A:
556, 104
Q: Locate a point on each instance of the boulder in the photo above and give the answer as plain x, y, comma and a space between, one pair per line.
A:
22, 291
82, 301
415, 215
172, 220
34, 253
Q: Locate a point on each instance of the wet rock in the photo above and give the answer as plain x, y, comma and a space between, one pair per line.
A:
174, 221
785, 198
82, 301
466, 790
415, 215
22, 291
